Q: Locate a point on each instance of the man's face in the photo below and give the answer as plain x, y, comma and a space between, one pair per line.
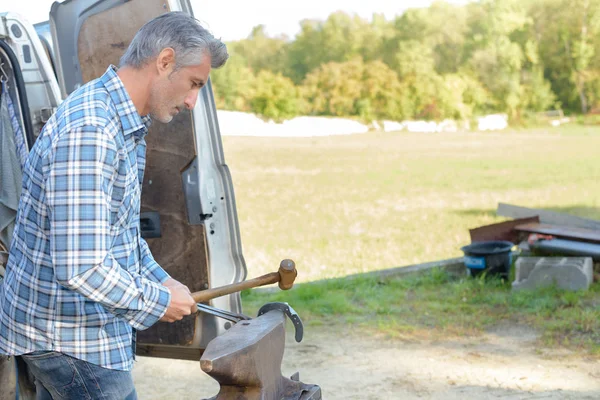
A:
175, 90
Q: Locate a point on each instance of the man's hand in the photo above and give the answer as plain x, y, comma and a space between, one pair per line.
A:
182, 303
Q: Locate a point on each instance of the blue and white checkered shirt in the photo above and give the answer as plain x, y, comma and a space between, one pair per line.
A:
79, 278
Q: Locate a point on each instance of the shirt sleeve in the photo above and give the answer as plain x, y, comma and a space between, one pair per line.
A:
79, 180
150, 268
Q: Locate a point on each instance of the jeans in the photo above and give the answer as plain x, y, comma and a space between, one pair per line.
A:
58, 376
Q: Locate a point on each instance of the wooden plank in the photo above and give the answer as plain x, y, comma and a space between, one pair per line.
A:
585, 235
547, 217
500, 231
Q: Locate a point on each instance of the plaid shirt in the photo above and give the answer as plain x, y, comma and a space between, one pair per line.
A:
79, 278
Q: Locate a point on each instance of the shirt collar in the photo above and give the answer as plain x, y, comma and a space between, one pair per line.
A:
131, 121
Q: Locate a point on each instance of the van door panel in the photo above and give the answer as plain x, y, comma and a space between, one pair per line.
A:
104, 36
181, 249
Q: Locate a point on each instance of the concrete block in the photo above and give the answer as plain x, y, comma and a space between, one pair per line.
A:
569, 273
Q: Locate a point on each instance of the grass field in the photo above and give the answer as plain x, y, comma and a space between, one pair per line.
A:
351, 204
436, 305
345, 205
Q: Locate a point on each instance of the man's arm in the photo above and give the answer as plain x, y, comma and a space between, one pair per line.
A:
150, 268
79, 184
180, 294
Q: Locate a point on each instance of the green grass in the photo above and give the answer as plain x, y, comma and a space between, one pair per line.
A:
353, 204
437, 305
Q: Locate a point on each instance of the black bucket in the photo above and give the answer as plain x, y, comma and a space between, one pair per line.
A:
493, 258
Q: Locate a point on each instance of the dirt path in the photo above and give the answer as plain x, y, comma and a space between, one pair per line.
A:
501, 365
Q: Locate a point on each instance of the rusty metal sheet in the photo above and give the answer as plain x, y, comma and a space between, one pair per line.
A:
500, 231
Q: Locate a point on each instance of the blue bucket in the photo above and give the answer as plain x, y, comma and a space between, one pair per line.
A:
493, 258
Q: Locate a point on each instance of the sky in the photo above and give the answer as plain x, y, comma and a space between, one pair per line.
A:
233, 20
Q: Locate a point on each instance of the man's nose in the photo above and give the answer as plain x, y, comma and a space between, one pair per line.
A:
190, 100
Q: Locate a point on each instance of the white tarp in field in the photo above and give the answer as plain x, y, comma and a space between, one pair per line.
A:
493, 122
235, 123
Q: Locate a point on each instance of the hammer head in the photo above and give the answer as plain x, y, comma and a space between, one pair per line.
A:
287, 274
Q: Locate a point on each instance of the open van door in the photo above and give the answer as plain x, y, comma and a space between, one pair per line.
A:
29, 94
188, 207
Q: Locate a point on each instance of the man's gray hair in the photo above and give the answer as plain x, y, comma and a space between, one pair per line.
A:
179, 31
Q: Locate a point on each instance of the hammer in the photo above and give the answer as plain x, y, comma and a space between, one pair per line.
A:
285, 276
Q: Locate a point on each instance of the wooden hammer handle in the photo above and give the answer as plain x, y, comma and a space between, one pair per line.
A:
208, 294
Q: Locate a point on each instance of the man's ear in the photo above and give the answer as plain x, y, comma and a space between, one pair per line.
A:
165, 62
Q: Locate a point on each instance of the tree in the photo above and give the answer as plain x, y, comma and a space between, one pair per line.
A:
441, 28
380, 93
334, 88
420, 84
370, 90
261, 51
275, 96
341, 37
443, 61
233, 85
462, 97
567, 33
496, 60
579, 49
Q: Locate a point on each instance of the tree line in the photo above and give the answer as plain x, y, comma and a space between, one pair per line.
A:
445, 61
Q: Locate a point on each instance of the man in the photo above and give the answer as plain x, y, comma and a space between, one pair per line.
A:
80, 280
